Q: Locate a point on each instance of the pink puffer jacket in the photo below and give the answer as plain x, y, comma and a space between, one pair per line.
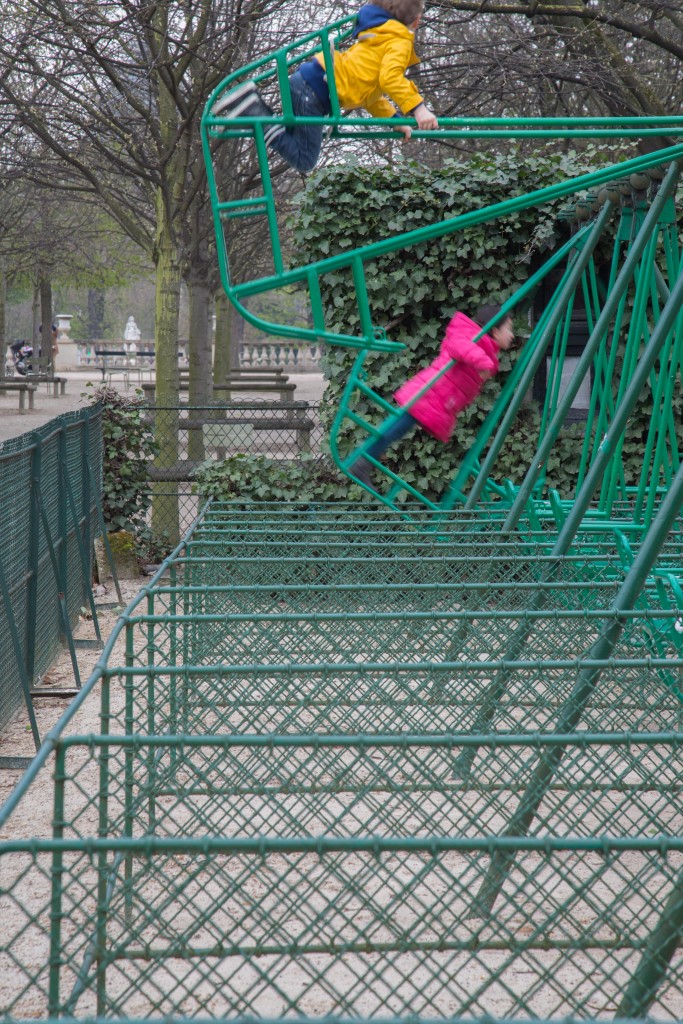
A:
438, 408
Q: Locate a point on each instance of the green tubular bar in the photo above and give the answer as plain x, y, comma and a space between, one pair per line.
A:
345, 766
614, 300
275, 68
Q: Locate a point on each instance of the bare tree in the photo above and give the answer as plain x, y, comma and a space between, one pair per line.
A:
557, 57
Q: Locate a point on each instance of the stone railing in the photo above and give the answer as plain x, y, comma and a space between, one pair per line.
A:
86, 352
295, 356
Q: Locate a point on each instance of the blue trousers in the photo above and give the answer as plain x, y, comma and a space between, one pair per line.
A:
394, 432
300, 146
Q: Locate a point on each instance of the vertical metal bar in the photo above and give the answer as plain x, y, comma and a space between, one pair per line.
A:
637, 334
24, 678
269, 198
103, 832
57, 882
85, 504
283, 81
557, 357
34, 559
62, 520
150, 779
328, 54
105, 539
129, 775
172, 660
601, 362
583, 366
566, 292
85, 561
66, 625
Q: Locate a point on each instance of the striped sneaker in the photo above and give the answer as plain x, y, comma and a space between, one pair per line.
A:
272, 132
244, 101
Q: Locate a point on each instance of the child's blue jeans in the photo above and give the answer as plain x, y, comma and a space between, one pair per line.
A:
398, 429
300, 146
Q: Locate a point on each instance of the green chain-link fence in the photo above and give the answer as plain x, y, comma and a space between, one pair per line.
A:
330, 781
48, 517
281, 431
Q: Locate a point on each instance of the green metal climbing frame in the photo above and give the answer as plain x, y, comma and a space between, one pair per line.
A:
641, 290
404, 759
329, 781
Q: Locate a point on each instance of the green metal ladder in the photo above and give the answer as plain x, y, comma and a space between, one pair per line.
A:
639, 233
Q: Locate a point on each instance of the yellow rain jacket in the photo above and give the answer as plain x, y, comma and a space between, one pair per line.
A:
374, 67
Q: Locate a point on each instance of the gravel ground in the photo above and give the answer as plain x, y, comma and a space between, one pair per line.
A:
17, 741
309, 388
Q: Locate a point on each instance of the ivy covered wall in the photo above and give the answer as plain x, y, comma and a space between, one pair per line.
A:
414, 292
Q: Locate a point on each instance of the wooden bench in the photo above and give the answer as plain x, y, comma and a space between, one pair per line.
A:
130, 363
39, 371
24, 388
58, 384
283, 388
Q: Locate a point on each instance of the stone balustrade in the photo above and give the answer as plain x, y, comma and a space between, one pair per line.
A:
294, 356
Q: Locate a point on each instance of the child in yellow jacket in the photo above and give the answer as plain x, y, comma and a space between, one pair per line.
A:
371, 70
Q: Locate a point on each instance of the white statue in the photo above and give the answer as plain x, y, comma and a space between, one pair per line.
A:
132, 331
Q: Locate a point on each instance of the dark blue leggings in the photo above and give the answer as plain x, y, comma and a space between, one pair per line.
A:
396, 430
300, 145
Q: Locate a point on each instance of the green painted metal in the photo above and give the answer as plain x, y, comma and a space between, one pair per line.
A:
271, 793
371, 336
46, 512
400, 759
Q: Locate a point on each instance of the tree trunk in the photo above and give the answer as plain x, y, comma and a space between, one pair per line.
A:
221, 355
201, 391
96, 301
165, 522
46, 318
3, 311
168, 203
236, 337
35, 318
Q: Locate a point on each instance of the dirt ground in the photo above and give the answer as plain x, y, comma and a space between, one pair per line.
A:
17, 740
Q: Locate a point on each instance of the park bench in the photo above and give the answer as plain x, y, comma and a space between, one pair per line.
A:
24, 388
284, 389
114, 361
40, 371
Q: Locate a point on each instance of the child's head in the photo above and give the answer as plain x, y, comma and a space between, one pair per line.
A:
407, 11
502, 333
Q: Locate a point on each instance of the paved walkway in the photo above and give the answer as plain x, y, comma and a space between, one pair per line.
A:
309, 388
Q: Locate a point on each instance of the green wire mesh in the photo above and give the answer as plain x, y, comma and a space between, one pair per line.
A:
305, 798
68, 448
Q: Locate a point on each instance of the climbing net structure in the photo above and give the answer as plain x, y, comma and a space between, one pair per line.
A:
405, 759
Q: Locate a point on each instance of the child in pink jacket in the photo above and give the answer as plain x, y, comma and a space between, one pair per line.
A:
437, 408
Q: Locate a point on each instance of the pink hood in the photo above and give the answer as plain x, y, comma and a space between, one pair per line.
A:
437, 409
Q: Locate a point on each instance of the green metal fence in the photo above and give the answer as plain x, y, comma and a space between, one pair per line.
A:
282, 431
330, 780
50, 481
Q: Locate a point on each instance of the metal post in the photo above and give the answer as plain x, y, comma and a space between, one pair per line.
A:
57, 883
649, 226
566, 293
